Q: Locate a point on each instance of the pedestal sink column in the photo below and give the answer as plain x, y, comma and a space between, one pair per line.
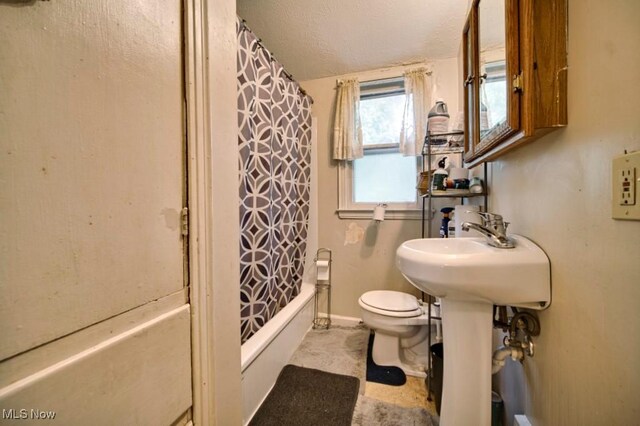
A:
466, 389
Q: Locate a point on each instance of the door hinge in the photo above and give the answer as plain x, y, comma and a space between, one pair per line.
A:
517, 83
184, 221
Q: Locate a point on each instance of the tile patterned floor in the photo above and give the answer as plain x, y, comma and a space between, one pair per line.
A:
343, 350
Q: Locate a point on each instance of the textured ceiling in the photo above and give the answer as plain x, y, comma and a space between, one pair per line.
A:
321, 38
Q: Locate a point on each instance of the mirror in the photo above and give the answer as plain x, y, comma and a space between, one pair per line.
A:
493, 67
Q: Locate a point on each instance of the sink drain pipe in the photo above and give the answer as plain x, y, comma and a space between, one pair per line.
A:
501, 354
518, 344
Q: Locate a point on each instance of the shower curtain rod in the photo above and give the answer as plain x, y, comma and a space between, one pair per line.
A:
288, 75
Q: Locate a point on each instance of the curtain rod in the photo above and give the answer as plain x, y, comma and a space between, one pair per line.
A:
245, 27
339, 80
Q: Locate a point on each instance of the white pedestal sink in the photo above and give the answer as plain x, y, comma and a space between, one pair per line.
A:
470, 277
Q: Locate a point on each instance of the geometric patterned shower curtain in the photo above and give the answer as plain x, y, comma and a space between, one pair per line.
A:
274, 143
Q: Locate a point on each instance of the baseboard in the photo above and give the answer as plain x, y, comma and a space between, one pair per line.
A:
344, 321
521, 420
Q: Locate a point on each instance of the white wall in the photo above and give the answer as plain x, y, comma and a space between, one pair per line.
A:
370, 263
557, 191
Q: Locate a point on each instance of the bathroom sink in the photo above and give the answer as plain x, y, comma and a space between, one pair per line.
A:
470, 277
469, 269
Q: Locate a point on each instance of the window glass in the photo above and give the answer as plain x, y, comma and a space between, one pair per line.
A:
381, 119
384, 177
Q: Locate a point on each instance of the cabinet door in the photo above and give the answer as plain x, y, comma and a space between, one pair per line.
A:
498, 112
515, 70
471, 126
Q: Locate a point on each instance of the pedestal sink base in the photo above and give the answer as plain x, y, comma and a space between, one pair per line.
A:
469, 276
466, 390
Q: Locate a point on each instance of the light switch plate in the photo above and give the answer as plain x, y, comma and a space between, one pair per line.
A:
625, 182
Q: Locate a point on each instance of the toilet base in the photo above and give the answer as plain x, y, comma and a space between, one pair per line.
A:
388, 351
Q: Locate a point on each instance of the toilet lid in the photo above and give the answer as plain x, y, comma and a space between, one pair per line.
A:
392, 303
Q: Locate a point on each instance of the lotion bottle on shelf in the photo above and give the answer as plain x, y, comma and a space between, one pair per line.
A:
440, 176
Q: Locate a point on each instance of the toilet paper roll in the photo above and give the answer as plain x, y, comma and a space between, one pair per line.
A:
378, 212
463, 214
322, 270
458, 173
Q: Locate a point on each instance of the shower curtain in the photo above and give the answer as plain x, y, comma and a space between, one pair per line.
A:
274, 142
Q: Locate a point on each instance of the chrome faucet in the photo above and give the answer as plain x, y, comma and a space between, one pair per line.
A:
493, 228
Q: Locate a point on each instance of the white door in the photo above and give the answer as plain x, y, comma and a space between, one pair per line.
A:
94, 313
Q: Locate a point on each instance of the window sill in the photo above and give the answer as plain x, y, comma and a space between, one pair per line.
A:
389, 214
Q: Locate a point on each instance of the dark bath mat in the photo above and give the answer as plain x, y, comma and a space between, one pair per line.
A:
390, 375
304, 396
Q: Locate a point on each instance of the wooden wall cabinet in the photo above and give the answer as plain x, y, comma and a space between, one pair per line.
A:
514, 74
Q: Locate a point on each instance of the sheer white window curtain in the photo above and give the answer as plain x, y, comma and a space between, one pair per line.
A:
347, 130
417, 87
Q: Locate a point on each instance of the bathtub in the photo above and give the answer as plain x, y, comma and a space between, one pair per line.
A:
269, 350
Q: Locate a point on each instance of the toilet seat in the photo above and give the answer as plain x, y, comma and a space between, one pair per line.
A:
391, 303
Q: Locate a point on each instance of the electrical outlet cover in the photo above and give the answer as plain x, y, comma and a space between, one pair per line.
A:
625, 180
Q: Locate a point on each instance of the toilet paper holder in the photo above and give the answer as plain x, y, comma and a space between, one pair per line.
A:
322, 262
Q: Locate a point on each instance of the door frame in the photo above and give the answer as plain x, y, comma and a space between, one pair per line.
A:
214, 264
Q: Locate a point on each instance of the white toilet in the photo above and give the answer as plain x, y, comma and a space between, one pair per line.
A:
401, 329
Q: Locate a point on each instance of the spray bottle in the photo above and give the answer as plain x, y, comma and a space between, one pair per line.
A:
444, 227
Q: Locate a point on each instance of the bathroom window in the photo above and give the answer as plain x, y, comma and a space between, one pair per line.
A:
383, 174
